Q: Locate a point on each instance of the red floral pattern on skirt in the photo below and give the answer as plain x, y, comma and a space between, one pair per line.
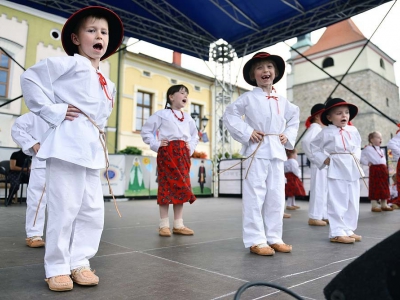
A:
294, 186
378, 187
173, 163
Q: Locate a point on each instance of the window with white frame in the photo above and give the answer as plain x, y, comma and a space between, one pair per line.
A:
143, 108
197, 109
4, 75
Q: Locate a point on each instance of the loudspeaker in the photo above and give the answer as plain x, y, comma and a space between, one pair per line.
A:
374, 275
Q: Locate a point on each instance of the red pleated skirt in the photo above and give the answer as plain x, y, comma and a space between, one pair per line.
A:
173, 163
378, 187
294, 186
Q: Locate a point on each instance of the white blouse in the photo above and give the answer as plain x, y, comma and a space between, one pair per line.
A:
53, 83
337, 143
271, 115
27, 131
169, 128
373, 155
292, 165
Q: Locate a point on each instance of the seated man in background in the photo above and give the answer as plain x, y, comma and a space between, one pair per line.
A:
19, 172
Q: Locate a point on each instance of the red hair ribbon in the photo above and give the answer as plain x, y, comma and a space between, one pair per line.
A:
349, 123
103, 83
308, 122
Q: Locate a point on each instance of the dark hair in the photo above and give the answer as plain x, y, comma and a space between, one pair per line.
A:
174, 89
94, 15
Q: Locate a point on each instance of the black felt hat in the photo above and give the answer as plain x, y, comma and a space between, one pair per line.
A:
315, 110
279, 62
331, 103
115, 29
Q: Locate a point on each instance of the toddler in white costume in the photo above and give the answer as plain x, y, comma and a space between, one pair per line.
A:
27, 132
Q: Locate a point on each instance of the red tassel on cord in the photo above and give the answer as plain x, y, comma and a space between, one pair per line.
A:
308, 123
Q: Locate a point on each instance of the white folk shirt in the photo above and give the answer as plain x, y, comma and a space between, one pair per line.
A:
332, 140
394, 145
292, 165
267, 115
169, 128
27, 131
311, 133
48, 87
373, 155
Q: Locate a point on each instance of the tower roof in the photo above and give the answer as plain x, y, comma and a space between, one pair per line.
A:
336, 35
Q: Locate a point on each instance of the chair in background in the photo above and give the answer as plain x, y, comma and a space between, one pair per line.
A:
4, 182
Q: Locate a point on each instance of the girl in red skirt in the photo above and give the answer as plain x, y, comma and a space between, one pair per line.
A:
373, 156
177, 139
294, 187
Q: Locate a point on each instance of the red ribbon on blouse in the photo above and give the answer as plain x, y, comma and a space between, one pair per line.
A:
275, 98
341, 134
103, 83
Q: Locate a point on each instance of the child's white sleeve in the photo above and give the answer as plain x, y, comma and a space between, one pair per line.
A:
232, 118
149, 131
37, 88
194, 140
20, 134
317, 150
364, 159
292, 117
394, 145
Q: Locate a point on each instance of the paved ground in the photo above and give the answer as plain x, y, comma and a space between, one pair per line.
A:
133, 262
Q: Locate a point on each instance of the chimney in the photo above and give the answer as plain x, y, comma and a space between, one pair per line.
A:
176, 58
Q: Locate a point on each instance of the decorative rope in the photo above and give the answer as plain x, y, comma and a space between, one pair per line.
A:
357, 164
40, 201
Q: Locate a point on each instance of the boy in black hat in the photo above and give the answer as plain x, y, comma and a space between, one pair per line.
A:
317, 209
338, 146
75, 99
270, 125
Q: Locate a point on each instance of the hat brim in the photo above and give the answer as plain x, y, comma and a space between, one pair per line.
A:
353, 111
279, 62
115, 28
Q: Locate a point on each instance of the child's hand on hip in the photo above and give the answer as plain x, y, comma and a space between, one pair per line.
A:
188, 145
327, 161
256, 136
72, 113
283, 139
164, 143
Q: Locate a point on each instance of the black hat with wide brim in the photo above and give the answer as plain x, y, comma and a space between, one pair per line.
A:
115, 29
315, 110
331, 103
279, 62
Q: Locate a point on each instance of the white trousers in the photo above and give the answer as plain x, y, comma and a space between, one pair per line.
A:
263, 202
75, 219
318, 208
343, 206
37, 180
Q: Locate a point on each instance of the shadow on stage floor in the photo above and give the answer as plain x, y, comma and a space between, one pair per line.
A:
134, 262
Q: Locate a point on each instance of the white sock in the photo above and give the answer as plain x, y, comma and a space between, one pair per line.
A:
289, 201
384, 203
374, 203
164, 223
294, 201
178, 223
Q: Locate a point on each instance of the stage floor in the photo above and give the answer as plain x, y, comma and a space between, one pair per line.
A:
134, 262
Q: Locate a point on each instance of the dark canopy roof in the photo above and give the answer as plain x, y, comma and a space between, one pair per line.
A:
190, 26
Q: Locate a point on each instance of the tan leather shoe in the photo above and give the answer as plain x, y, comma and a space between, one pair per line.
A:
343, 240
395, 206
84, 276
183, 231
387, 208
281, 248
266, 251
296, 207
376, 209
356, 237
35, 242
326, 221
287, 216
164, 231
315, 222
290, 208
60, 283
